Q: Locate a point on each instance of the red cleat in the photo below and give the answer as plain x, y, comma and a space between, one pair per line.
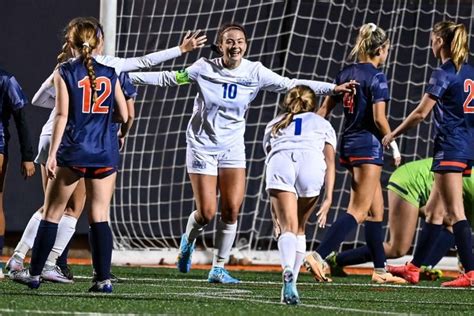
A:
409, 272
463, 280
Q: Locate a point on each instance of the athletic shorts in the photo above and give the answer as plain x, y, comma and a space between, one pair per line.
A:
201, 162
300, 172
93, 172
43, 150
360, 150
452, 165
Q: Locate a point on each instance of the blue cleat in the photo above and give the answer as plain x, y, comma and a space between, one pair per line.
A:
289, 294
24, 277
221, 275
101, 287
185, 254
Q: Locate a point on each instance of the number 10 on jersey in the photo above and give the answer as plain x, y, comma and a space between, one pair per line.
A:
230, 91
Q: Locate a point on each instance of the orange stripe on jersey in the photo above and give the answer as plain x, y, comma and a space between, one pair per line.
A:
351, 159
102, 170
452, 164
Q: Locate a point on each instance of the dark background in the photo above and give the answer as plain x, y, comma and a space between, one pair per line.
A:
30, 40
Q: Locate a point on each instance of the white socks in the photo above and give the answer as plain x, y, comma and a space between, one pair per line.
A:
287, 249
193, 228
28, 238
66, 229
225, 236
300, 253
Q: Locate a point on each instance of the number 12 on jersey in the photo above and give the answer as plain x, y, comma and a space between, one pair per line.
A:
101, 83
230, 90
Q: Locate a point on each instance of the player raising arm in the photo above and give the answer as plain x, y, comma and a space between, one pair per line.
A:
215, 136
450, 92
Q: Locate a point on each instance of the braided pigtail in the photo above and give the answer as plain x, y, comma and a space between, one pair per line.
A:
86, 54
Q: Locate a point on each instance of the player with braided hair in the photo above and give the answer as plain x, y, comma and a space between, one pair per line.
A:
300, 147
361, 152
84, 144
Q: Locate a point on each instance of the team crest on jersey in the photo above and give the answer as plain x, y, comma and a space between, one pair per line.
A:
197, 164
245, 81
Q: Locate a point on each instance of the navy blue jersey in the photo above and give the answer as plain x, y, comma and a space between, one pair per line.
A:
361, 136
129, 90
90, 137
11, 98
454, 110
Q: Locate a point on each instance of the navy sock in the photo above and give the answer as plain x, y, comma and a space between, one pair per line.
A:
101, 236
374, 240
44, 242
93, 250
61, 261
336, 234
2, 243
354, 256
463, 237
440, 247
429, 233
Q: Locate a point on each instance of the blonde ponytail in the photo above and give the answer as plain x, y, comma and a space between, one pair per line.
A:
370, 39
454, 40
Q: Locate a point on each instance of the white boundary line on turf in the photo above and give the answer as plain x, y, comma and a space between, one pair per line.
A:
32, 311
408, 286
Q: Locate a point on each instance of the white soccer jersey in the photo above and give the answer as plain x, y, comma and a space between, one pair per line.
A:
46, 95
307, 131
218, 119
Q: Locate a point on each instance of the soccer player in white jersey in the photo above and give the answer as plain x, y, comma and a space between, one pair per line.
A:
300, 147
215, 136
45, 97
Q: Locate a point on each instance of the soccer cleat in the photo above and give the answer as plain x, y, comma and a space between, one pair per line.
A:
221, 275
387, 278
54, 274
430, 274
24, 277
102, 287
334, 268
113, 277
463, 280
185, 254
409, 272
317, 267
67, 272
289, 294
15, 263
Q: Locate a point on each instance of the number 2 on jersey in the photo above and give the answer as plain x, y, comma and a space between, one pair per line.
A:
468, 87
101, 83
230, 90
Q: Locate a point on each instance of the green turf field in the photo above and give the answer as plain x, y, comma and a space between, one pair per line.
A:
166, 291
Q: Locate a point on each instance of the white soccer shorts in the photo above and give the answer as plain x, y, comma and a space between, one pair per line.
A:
205, 163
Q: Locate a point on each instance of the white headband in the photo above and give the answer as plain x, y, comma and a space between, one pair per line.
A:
372, 26
86, 44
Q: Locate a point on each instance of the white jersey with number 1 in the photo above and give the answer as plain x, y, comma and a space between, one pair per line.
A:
218, 119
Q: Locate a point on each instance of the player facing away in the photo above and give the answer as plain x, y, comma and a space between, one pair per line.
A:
215, 136
45, 97
450, 92
361, 152
300, 147
84, 144
409, 188
12, 103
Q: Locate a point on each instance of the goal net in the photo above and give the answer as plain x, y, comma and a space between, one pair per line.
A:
295, 38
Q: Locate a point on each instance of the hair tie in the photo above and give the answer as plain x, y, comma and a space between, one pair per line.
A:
372, 26
86, 44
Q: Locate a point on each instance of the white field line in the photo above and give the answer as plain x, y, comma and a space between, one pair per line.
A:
47, 312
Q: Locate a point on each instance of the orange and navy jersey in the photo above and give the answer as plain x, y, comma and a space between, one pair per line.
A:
361, 137
12, 98
90, 137
454, 111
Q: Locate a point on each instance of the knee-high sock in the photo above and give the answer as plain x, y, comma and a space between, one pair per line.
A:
28, 238
93, 251
101, 237
440, 247
354, 256
62, 259
225, 236
429, 233
66, 228
336, 234
287, 249
193, 228
463, 237
44, 242
300, 253
374, 239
